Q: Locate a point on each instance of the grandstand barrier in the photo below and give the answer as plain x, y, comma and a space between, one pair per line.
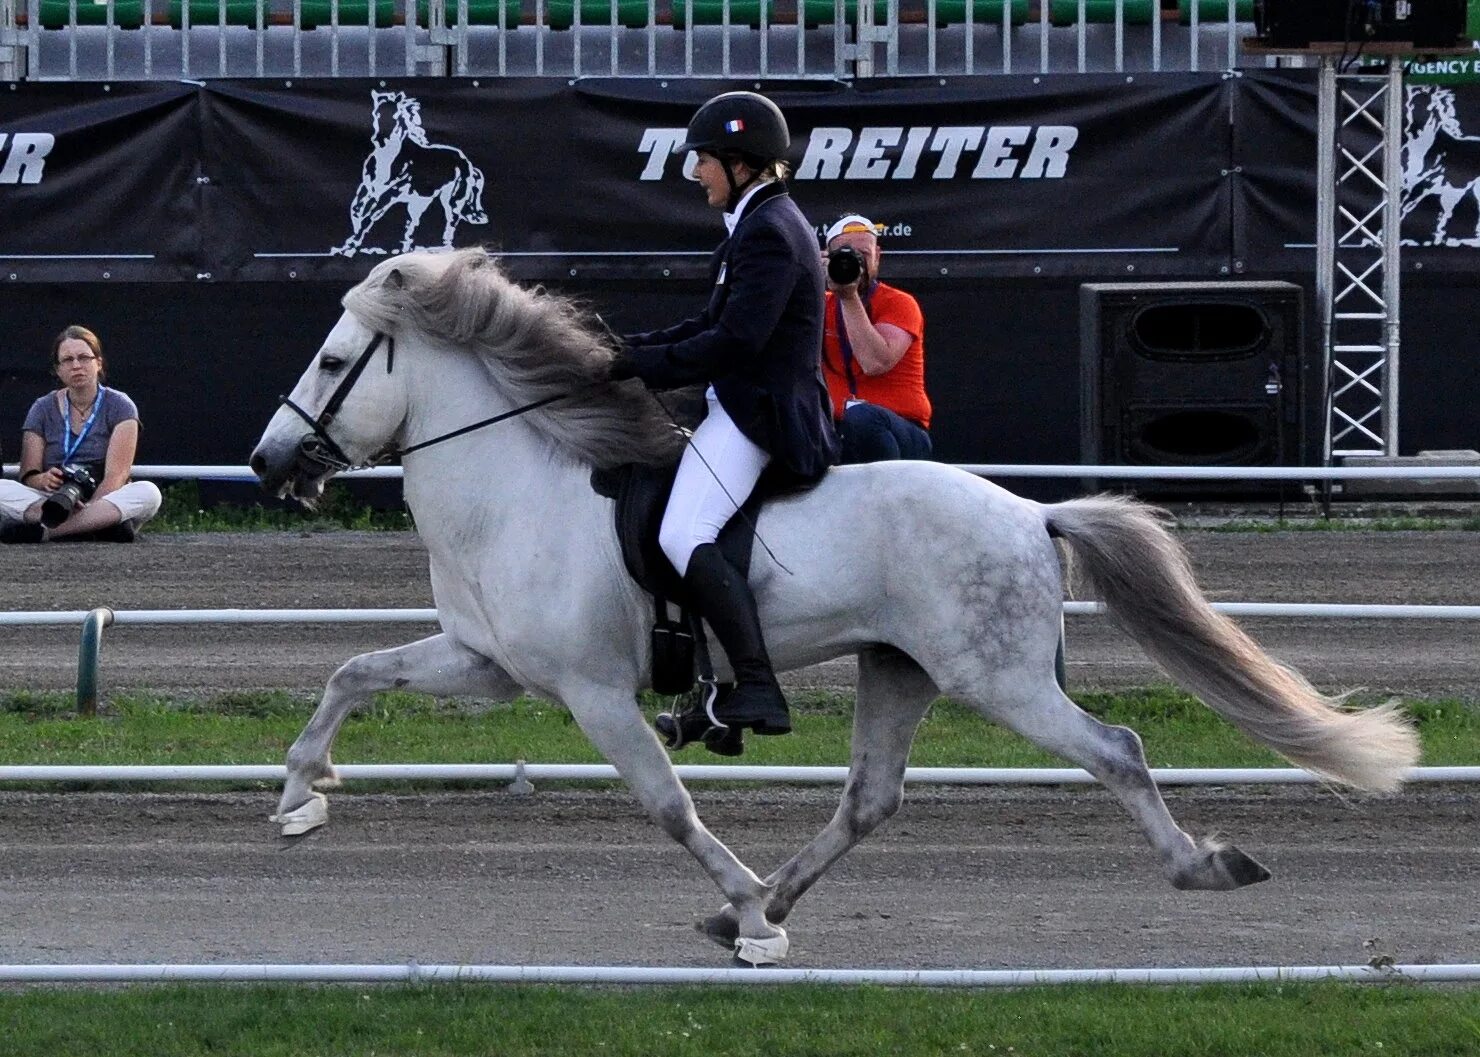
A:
89, 40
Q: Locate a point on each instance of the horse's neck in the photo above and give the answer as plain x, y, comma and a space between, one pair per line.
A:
387, 148
465, 491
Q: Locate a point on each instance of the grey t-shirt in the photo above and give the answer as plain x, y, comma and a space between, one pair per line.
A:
46, 419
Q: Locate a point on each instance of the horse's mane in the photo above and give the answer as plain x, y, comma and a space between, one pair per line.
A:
534, 343
409, 110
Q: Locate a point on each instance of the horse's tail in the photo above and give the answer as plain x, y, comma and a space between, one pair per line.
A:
1143, 575
470, 195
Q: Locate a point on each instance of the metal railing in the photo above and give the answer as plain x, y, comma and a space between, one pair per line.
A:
834, 39
1426, 473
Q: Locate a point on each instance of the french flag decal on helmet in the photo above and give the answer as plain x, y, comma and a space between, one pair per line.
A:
735, 126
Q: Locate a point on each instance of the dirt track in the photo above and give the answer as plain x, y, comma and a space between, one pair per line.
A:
962, 877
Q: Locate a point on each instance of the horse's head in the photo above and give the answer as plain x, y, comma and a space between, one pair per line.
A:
348, 406
386, 109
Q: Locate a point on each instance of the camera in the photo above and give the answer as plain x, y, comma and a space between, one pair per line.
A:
78, 485
844, 265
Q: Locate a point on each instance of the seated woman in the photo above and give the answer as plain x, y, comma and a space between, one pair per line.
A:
86, 427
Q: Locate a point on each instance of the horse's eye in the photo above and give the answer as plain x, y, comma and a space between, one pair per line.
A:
331, 364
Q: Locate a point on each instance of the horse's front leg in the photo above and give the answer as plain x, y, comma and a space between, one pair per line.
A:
893, 695
434, 665
609, 716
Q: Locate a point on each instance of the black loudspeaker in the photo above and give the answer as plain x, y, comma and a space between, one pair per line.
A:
1195, 374
1297, 23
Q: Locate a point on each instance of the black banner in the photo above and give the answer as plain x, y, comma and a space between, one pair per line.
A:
1094, 176
1275, 210
99, 181
265, 181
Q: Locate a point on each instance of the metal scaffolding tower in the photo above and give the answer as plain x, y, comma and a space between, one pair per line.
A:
1359, 198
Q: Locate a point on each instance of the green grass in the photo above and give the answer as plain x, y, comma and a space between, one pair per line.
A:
183, 511
258, 727
463, 1020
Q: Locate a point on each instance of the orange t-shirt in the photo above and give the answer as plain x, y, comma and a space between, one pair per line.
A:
901, 389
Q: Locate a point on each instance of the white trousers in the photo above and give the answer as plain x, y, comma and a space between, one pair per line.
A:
137, 500
718, 471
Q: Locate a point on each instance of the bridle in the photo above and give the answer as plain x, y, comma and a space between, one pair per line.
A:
319, 450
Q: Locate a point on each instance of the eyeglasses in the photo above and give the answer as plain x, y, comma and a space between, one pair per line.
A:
67, 361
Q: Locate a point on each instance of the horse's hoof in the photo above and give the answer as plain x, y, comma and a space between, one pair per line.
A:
723, 928
1219, 868
765, 950
309, 815
1241, 869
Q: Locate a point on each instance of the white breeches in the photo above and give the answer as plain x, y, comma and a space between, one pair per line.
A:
708, 490
137, 500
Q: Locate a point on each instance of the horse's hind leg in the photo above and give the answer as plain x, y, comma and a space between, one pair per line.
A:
1114, 756
434, 665
893, 694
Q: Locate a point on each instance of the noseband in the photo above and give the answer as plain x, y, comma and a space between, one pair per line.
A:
319, 450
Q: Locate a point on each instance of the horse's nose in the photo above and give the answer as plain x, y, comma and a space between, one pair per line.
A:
263, 469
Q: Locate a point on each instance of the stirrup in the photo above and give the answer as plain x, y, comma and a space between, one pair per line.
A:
698, 722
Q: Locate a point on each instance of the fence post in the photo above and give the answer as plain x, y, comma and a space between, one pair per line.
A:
88, 656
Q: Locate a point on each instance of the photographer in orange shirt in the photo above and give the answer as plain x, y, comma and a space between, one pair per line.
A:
873, 351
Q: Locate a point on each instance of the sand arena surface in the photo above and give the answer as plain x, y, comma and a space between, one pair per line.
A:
960, 878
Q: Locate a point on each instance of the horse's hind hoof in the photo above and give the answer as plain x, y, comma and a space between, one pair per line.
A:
766, 950
1219, 868
1241, 869
309, 815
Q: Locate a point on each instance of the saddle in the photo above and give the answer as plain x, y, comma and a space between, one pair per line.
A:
679, 647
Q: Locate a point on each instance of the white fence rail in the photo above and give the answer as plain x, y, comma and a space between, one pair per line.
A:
414, 972
121, 617
219, 472
522, 772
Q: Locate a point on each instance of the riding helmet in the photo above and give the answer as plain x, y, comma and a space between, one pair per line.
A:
738, 123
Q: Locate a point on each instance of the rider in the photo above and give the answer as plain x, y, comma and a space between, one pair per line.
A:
756, 345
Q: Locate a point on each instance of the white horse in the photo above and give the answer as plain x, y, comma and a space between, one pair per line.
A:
939, 582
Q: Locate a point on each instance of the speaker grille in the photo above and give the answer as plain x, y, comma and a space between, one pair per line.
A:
1199, 330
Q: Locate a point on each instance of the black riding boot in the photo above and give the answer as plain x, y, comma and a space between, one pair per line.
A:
724, 599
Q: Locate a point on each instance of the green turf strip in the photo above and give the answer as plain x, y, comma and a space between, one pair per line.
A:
1326, 1020
405, 728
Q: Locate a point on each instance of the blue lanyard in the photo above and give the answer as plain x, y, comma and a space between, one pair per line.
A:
69, 446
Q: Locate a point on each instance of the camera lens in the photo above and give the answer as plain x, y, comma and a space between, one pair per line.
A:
59, 505
844, 265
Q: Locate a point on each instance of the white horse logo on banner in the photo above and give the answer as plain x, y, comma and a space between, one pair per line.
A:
1441, 163
403, 168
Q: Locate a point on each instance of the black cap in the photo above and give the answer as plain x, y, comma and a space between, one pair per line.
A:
738, 123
